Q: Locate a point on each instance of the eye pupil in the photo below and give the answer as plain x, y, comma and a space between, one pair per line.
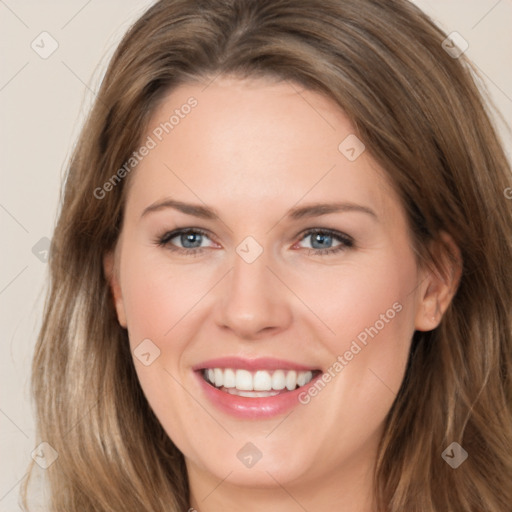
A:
191, 237
321, 238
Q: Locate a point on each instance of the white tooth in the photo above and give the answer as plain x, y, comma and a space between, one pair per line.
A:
304, 377
229, 378
291, 380
244, 380
219, 377
278, 380
262, 381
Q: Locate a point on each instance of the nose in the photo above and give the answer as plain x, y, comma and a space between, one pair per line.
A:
254, 301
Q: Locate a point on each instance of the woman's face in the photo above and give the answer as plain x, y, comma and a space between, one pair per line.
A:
297, 270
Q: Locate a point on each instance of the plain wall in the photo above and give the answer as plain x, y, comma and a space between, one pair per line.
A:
42, 105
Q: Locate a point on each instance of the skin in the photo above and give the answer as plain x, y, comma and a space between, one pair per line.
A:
253, 149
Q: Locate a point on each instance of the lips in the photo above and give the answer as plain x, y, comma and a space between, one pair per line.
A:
254, 388
262, 363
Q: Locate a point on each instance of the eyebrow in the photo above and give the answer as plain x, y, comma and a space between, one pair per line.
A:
312, 210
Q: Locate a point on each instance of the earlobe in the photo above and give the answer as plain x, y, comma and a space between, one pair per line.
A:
440, 283
111, 274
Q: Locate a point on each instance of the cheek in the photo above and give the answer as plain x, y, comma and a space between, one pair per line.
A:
369, 309
159, 302
370, 299
156, 296
374, 322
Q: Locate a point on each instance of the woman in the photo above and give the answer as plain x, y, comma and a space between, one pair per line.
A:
196, 355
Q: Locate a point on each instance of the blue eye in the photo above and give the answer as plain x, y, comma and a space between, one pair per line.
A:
322, 240
191, 240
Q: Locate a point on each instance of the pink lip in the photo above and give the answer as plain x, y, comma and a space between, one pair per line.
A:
262, 363
253, 408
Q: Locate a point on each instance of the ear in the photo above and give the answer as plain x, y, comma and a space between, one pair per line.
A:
111, 273
439, 283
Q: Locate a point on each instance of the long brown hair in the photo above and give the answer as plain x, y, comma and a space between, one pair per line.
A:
421, 116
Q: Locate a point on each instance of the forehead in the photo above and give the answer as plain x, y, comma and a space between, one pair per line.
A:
254, 144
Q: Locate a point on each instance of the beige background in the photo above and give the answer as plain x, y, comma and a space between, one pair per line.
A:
42, 105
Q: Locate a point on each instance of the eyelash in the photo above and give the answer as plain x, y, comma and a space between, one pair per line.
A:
346, 241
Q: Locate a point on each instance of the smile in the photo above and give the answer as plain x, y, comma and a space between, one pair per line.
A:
254, 389
259, 383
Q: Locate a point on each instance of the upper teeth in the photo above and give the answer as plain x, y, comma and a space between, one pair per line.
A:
260, 380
